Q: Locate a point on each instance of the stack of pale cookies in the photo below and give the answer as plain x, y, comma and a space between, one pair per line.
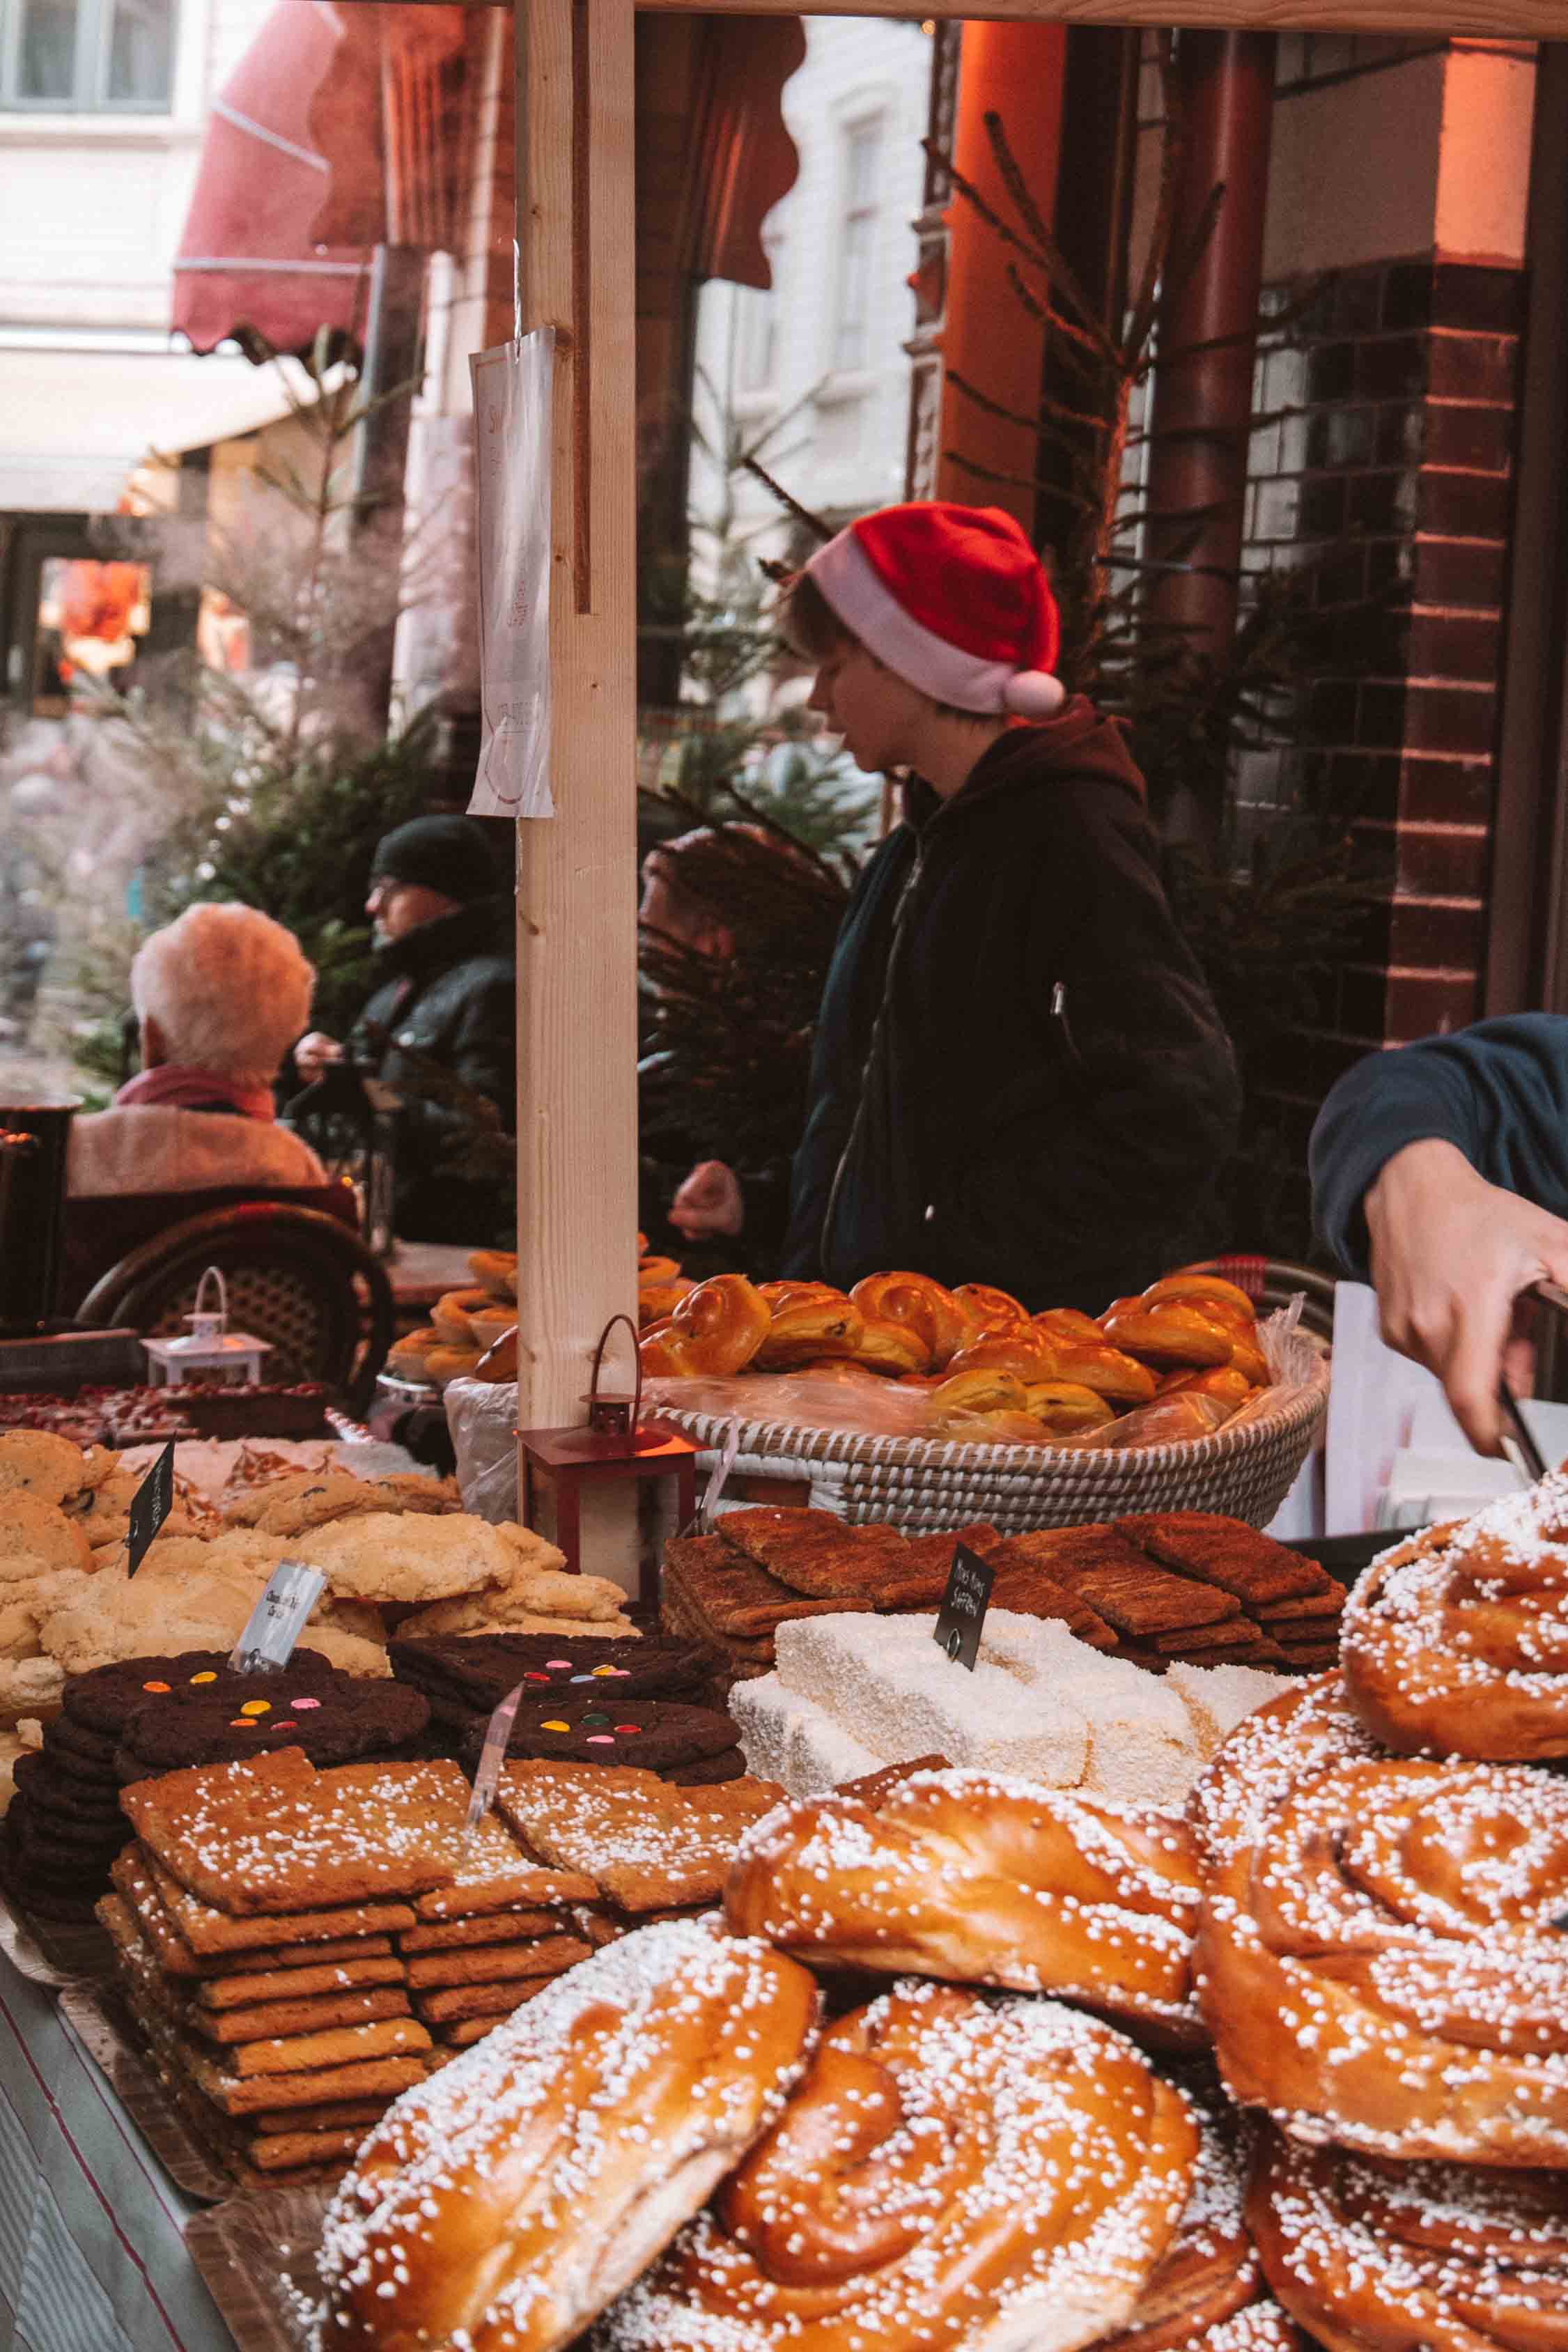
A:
395, 1551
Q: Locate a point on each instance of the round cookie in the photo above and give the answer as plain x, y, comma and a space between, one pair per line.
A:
478, 1670
392, 1555
104, 1699
36, 1462
338, 1724
37, 1537
49, 1791
658, 1734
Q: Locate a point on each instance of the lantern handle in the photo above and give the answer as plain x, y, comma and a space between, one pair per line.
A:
599, 1358
213, 1274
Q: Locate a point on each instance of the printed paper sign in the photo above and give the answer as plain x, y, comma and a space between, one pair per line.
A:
512, 392
275, 1623
962, 1616
492, 1755
149, 1507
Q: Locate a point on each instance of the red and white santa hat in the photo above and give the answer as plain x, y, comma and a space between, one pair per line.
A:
953, 600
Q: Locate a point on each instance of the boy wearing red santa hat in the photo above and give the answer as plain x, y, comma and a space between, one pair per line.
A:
1020, 1075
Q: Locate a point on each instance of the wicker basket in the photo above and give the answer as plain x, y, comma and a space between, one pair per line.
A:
925, 1486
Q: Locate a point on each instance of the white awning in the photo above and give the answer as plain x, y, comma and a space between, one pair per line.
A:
74, 423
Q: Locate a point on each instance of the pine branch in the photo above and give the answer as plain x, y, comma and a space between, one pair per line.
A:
1064, 277
793, 505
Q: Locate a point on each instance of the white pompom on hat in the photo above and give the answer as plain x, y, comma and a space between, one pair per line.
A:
954, 600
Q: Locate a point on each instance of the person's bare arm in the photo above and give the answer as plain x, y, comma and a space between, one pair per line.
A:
1450, 1253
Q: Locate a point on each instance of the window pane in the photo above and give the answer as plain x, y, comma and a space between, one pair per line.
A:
854, 293
865, 143
139, 44
46, 66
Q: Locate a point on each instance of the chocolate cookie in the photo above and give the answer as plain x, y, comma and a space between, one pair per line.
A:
89, 1751
104, 1699
660, 1735
468, 1674
49, 1792
342, 1722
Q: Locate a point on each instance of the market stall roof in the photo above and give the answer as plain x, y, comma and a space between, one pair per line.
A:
74, 423
292, 192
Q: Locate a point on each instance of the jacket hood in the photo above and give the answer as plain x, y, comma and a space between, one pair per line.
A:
1080, 741
484, 928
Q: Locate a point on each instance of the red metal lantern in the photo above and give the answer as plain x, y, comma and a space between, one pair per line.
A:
612, 1445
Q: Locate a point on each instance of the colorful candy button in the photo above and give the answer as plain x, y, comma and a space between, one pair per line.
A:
555, 1726
209, 1677
301, 1705
607, 1670
594, 1722
558, 1665
535, 1678
155, 1686
256, 1707
628, 1726
243, 1723
583, 1678
599, 1739
288, 1725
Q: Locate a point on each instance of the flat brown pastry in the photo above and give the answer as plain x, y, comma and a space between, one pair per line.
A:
648, 1845
1227, 1552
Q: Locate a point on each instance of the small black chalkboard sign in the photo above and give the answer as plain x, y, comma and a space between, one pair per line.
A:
962, 1615
149, 1507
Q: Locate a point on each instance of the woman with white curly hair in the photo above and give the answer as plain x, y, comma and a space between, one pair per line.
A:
220, 995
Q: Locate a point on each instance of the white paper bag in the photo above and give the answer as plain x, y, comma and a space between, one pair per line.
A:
512, 390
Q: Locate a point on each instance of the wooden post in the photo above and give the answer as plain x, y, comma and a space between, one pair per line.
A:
577, 940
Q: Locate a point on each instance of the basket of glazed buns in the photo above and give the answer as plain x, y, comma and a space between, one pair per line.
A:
906, 1402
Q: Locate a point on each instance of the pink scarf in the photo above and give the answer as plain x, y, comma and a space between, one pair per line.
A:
177, 1088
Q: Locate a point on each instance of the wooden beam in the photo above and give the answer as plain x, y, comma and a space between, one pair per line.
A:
577, 935
1545, 19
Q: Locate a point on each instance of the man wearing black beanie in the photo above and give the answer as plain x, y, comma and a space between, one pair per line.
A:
446, 994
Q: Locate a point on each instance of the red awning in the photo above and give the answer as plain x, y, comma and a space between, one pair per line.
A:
290, 196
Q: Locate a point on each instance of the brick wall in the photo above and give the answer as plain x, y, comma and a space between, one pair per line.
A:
1384, 449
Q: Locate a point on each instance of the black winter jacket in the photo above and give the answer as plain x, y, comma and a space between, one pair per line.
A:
959, 1126
448, 991
1498, 1092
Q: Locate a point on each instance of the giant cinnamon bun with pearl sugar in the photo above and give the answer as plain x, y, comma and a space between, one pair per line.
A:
989, 1879
1382, 1967
1456, 1641
1372, 2256
953, 2174
504, 2202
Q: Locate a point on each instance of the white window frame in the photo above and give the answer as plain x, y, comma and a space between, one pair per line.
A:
873, 116
94, 23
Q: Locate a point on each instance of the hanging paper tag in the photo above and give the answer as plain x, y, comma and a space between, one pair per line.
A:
492, 1755
717, 1478
275, 1623
149, 1507
962, 1616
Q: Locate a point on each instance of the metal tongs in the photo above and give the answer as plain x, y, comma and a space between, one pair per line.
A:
1519, 1441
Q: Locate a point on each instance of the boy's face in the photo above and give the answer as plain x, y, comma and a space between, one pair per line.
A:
881, 719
